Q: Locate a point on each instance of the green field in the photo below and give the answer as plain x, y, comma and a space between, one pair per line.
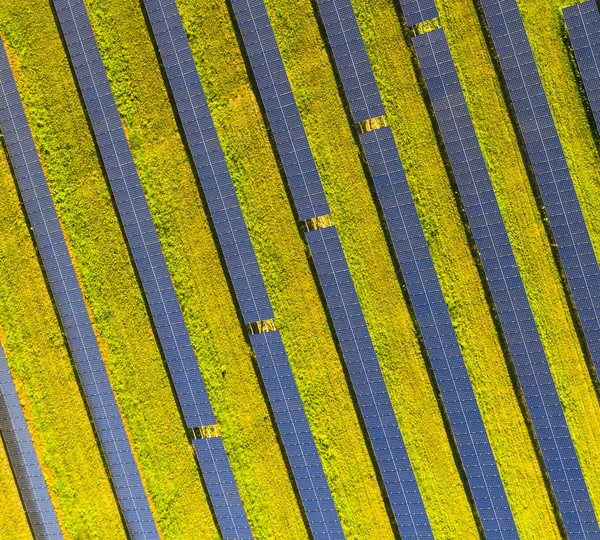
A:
39, 357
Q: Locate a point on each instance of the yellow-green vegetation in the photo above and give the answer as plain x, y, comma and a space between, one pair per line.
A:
13, 523
532, 250
429, 182
354, 212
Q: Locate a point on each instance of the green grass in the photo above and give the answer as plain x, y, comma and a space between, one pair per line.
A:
429, 182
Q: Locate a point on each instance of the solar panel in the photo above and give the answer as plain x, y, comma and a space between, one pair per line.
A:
295, 432
351, 59
367, 381
23, 459
412, 252
71, 308
139, 228
278, 101
505, 283
418, 11
374, 402
241, 262
549, 165
583, 24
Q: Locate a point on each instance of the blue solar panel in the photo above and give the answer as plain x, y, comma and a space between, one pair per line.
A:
549, 165
351, 59
71, 308
298, 441
209, 160
418, 11
419, 274
505, 283
23, 459
138, 226
239, 254
367, 381
284, 118
583, 23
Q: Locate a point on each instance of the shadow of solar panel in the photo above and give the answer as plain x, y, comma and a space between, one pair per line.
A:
241, 260
71, 308
137, 221
282, 111
367, 381
548, 161
209, 160
295, 432
221, 487
505, 282
351, 59
23, 459
418, 11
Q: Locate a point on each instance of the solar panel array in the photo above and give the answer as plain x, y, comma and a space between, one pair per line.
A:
505, 283
143, 241
72, 309
549, 165
368, 384
583, 24
23, 459
241, 262
415, 261
334, 276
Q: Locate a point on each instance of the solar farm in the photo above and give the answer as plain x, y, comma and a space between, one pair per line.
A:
300, 269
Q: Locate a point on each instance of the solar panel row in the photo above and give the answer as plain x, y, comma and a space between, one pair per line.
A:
143, 241
334, 276
241, 262
23, 459
549, 165
505, 283
368, 383
209, 160
281, 108
418, 271
583, 24
72, 309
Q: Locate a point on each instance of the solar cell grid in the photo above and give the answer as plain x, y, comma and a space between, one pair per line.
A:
226, 213
549, 163
143, 241
505, 283
368, 383
278, 101
71, 307
23, 459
